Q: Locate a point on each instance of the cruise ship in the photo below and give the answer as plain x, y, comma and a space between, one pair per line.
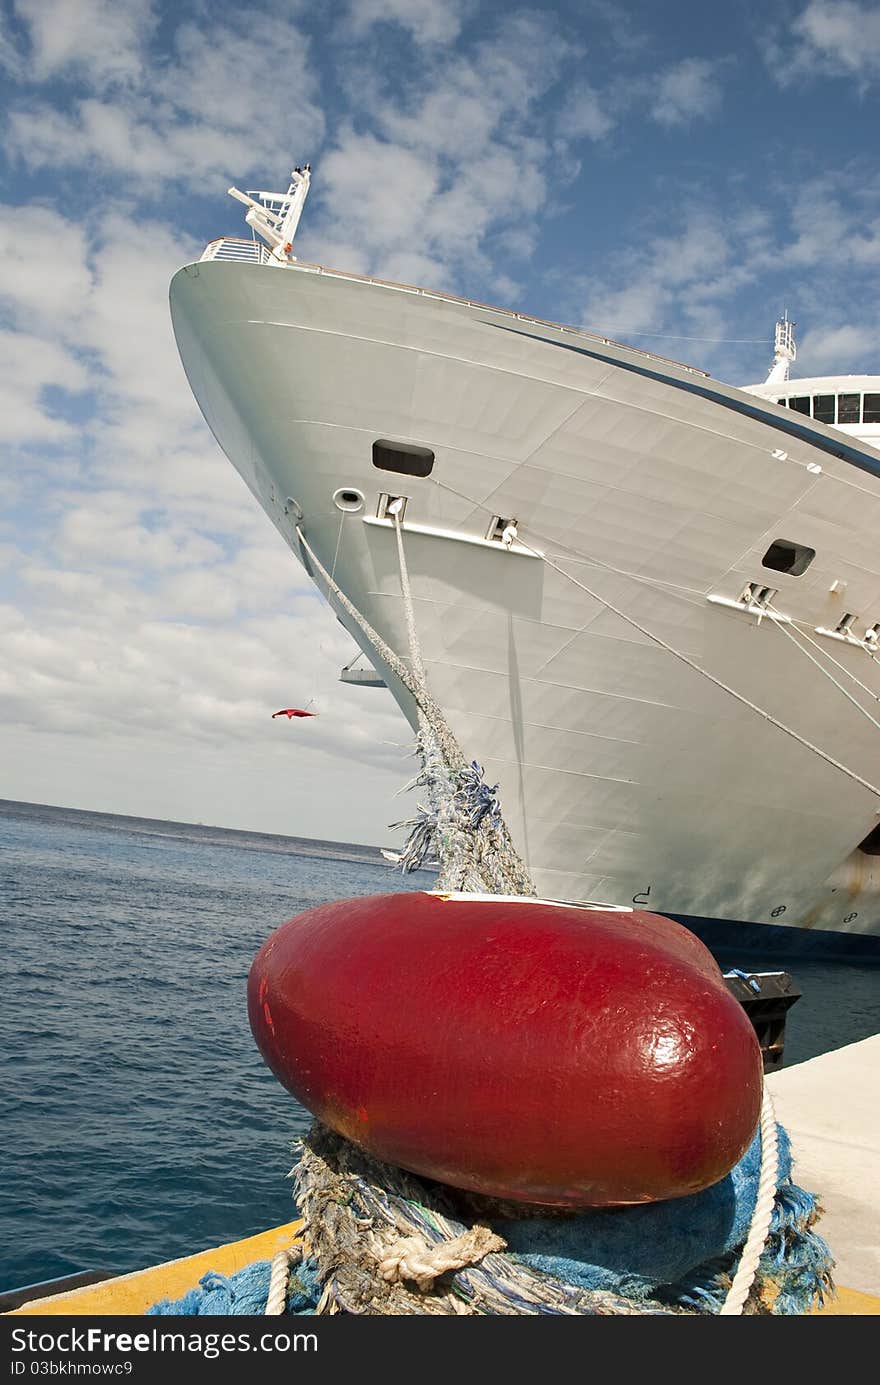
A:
647, 602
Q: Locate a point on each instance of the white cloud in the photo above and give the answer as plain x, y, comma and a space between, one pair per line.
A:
39, 286
241, 76
456, 159
100, 39
830, 233
469, 99
585, 115
645, 287
29, 366
705, 290
271, 784
92, 317
429, 21
199, 117
107, 529
829, 38
94, 664
841, 34
127, 322
841, 350
689, 89
385, 189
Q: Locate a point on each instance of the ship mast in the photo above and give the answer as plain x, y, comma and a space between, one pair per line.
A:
785, 351
275, 215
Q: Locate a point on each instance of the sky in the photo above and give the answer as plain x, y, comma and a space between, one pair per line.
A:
671, 174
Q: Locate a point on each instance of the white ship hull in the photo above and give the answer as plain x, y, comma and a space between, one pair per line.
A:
625, 773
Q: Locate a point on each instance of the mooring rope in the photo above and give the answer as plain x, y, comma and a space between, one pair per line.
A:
412, 1258
423, 699
338, 543
789, 634
362, 1214
463, 822
762, 1215
415, 652
279, 1280
718, 682
465, 825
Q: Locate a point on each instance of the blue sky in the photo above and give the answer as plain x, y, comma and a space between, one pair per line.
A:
670, 174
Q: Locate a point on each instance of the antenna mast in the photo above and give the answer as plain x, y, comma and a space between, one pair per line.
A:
785, 351
275, 215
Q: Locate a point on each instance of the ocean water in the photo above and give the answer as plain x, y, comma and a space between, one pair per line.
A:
139, 1120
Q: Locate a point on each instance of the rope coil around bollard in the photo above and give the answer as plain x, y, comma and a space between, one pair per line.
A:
379, 1241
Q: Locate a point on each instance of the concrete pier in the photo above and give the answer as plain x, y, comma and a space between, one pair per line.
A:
830, 1107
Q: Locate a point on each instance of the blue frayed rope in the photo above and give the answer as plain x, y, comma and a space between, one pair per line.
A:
685, 1251
751, 981
475, 798
244, 1293
473, 801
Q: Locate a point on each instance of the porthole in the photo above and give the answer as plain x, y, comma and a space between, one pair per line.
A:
348, 499
785, 556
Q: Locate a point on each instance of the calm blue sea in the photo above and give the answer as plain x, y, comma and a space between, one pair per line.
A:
139, 1121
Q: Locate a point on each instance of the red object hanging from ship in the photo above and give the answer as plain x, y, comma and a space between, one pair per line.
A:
545, 1053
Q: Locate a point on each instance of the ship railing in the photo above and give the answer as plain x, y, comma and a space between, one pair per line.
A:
242, 251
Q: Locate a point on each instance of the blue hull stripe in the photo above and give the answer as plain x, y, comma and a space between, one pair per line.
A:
832, 447
767, 940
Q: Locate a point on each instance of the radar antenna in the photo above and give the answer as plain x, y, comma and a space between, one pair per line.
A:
275, 215
785, 351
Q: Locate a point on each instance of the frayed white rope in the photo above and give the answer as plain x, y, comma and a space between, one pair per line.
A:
754, 1246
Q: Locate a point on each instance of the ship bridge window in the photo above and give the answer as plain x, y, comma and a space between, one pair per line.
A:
849, 408
403, 457
871, 412
785, 556
801, 403
823, 407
